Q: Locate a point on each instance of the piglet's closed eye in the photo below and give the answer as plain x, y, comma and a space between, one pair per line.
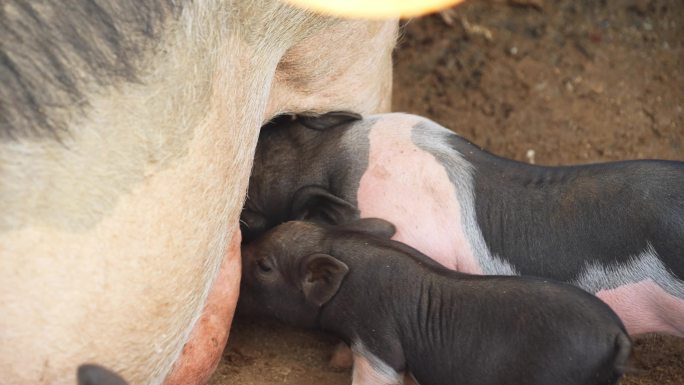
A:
329, 120
252, 224
321, 277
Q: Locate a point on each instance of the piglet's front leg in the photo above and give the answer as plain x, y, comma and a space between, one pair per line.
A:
370, 370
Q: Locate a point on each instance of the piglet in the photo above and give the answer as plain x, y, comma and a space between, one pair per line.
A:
402, 312
614, 229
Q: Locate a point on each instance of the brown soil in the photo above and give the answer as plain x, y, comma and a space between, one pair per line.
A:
558, 82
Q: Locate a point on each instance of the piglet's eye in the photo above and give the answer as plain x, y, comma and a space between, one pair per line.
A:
264, 266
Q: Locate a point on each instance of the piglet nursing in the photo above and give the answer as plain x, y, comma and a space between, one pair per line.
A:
403, 313
614, 229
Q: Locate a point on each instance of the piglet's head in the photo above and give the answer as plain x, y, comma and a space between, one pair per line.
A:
288, 274
290, 175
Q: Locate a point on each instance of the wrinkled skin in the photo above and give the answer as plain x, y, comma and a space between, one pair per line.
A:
119, 238
400, 311
613, 229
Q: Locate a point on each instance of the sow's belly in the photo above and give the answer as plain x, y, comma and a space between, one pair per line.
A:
202, 353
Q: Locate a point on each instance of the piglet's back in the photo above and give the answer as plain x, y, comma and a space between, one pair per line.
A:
470, 329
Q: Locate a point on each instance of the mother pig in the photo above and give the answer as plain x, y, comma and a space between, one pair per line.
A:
127, 131
614, 229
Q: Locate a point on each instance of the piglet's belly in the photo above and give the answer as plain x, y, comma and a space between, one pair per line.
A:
645, 307
202, 353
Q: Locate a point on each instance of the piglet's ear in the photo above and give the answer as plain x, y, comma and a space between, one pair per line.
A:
328, 120
317, 204
90, 374
374, 226
322, 276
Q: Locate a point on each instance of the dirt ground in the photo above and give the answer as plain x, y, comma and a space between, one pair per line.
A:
571, 81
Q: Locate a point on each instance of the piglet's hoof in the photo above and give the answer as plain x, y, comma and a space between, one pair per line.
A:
342, 358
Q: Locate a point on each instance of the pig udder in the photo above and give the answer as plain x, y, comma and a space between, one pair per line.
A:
202, 353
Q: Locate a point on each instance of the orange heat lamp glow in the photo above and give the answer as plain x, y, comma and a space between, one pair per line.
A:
374, 9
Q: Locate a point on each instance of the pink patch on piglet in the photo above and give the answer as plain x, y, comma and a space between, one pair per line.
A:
645, 307
410, 188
